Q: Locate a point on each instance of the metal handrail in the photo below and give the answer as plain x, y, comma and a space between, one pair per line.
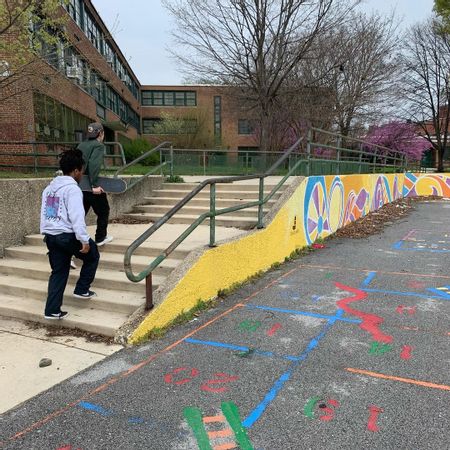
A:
147, 272
159, 148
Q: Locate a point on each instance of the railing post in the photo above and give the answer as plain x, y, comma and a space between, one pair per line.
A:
308, 153
171, 161
260, 206
34, 157
360, 158
212, 219
148, 292
204, 162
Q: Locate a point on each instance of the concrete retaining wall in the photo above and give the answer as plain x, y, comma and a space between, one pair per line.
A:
20, 204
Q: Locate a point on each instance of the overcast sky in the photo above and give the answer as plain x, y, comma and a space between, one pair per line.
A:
142, 30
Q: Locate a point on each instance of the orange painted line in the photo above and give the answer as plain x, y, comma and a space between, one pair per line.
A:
138, 366
352, 269
427, 384
220, 433
228, 446
213, 419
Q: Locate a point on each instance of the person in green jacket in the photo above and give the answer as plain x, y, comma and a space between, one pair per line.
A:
93, 153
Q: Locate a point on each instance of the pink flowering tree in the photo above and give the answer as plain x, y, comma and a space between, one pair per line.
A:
397, 136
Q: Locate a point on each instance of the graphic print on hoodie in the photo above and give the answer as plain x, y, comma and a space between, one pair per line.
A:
52, 207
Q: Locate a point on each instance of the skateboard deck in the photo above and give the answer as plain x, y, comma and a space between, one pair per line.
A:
109, 184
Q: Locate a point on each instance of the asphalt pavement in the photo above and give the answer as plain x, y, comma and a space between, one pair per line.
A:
345, 348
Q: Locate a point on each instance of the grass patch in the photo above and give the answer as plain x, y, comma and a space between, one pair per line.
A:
183, 317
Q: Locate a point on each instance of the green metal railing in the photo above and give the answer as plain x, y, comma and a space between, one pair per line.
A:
53, 151
211, 215
159, 149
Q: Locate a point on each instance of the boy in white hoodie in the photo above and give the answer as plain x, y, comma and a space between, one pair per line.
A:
64, 228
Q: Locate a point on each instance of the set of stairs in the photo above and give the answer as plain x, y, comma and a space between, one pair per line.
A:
227, 195
24, 271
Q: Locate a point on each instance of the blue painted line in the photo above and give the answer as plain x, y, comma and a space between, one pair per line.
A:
405, 294
423, 250
369, 279
239, 348
302, 313
278, 385
95, 408
398, 245
136, 420
316, 298
441, 294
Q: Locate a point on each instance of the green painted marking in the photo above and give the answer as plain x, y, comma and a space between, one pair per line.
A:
231, 412
246, 354
379, 348
309, 407
328, 275
195, 421
249, 325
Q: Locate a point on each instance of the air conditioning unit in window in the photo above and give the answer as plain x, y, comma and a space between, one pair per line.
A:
73, 72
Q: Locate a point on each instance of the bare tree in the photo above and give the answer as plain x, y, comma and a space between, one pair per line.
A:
426, 83
356, 63
251, 44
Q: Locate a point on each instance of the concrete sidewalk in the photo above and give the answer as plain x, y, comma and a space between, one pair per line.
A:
344, 348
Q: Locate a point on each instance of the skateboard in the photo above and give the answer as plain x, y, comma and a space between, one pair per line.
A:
109, 184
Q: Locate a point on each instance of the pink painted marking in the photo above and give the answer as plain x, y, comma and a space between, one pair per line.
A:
274, 329
409, 235
373, 418
416, 284
406, 352
329, 412
169, 377
370, 322
411, 310
222, 378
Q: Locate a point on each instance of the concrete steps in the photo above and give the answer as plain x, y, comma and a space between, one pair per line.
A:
25, 270
227, 195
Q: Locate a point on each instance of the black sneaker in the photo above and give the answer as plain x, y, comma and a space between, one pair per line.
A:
88, 294
56, 316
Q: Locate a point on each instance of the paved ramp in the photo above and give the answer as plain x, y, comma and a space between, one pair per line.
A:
345, 348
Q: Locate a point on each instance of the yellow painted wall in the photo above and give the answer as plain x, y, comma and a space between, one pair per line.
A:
319, 206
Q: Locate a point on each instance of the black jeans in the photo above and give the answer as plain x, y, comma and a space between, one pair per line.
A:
60, 249
100, 205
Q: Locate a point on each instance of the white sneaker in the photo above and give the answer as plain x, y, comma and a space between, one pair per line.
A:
72, 264
105, 241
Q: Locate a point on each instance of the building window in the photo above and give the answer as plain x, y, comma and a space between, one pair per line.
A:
148, 125
245, 126
169, 98
101, 112
55, 121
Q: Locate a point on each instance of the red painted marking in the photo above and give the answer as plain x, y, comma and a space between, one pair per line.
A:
370, 322
409, 235
168, 378
406, 352
373, 418
416, 284
221, 378
318, 246
274, 329
329, 412
67, 447
411, 310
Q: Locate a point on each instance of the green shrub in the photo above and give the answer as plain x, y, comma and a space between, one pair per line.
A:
174, 179
137, 148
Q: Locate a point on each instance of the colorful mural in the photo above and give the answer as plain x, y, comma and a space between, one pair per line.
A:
331, 202
318, 207
426, 184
